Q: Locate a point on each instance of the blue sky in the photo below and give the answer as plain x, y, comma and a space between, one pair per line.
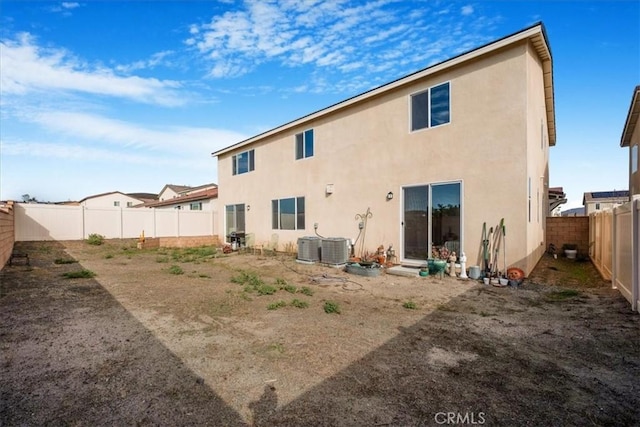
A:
101, 96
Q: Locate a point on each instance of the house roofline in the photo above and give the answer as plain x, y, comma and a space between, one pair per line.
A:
536, 33
632, 118
211, 193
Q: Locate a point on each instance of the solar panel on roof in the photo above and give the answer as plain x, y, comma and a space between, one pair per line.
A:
609, 194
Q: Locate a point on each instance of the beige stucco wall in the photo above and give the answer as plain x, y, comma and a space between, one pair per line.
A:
367, 150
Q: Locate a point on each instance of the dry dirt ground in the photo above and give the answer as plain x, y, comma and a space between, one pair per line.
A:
140, 345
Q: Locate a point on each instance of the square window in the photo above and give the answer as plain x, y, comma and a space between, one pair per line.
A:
288, 214
304, 144
243, 162
431, 107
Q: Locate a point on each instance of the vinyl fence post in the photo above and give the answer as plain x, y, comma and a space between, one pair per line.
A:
635, 254
614, 246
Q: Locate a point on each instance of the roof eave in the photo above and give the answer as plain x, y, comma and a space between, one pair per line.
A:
632, 118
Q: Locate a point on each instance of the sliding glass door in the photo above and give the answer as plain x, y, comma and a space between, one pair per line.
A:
431, 220
234, 221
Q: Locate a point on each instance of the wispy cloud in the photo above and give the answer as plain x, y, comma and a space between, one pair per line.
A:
341, 37
64, 8
96, 129
27, 68
157, 59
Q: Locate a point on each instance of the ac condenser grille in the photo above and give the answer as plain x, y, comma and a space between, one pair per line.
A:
309, 249
335, 250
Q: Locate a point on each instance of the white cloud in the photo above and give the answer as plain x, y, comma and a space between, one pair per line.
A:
341, 37
101, 130
466, 10
27, 68
70, 5
159, 58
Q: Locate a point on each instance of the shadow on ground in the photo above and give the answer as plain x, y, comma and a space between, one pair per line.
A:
71, 355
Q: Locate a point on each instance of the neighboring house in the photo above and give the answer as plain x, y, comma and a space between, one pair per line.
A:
171, 191
573, 212
631, 138
431, 157
200, 200
599, 200
114, 199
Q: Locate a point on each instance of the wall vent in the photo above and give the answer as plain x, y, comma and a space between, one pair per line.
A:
334, 250
309, 249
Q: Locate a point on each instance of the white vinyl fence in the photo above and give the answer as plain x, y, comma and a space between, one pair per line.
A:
54, 222
615, 248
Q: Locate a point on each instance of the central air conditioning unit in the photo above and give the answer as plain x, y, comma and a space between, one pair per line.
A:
309, 249
335, 250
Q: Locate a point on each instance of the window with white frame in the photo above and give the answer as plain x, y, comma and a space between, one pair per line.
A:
304, 144
634, 159
288, 214
116, 204
431, 107
129, 204
195, 206
243, 162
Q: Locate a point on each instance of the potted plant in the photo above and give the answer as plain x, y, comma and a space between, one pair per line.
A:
570, 250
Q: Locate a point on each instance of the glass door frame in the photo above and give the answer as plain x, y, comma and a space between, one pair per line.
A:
419, 262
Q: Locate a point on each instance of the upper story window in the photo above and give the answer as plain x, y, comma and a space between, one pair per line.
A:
288, 214
196, 206
129, 204
431, 107
243, 162
116, 204
304, 144
634, 159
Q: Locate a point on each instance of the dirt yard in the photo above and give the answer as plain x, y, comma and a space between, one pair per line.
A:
192, 337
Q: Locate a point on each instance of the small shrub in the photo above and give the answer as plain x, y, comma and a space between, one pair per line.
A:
95, 239
562, 294
276, 305
299, 304
266, 290
278, 347
79, 274
204, 276
176, 269
292, 289
306, 291
331, 307
247, 278
162, 259
410, 305
64, 261
108, 256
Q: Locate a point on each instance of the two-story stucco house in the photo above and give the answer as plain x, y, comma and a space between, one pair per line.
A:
432, 157
631, 138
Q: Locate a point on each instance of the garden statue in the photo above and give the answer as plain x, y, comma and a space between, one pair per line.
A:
452, 264
463, 266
